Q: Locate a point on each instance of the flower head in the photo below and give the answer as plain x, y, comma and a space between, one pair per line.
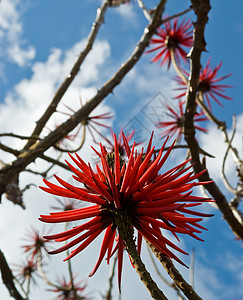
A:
36, 243
172, 38
92, 122
120, 142
176, 125
125, 195
26, 271
208, 85
69, 291
67, 204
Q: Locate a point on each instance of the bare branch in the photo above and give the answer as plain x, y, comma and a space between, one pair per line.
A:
144, 9
172, 285
69, 79
225, 180
41, 146
8, 278
201, 9
181, 283
22, 137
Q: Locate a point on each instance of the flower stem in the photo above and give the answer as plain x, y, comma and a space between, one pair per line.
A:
175, 65
126, 233
69, 265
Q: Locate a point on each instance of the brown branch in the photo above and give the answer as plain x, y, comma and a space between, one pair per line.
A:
108, 295
186, 288
201, 9
40, 147
40, 124
22, 137
126, 232
8, 278
9, 150
170, 284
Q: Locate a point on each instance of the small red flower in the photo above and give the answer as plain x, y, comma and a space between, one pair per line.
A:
176, 126
131, 192
207, 85
92, 122
67, 204
172, 38
26, 271
64, 143
67, 291
37, 243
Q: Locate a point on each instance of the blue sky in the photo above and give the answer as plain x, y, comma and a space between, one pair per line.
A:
39, 41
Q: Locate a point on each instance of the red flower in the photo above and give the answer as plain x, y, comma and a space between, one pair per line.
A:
67, 204
172, 38
67, 291
127, 193
37, 243
176, 126
207, 86
64, 143
92, 122
120, 143
26, 271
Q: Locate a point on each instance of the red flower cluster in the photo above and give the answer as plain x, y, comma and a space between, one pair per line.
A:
129, 193
172, 38
176, 125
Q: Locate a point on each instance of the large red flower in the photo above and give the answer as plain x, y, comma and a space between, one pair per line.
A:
208, 84
172, 38
127, 193
177, 124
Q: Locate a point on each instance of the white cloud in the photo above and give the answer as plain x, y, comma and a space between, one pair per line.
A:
12, 44
127, 12
34, 94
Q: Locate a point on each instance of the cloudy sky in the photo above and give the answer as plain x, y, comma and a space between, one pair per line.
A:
39, 42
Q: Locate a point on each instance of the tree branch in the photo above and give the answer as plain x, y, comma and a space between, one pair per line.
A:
8, 278
201, 9
41, 146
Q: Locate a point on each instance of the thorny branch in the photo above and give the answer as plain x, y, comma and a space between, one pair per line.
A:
201, 9
37, 149
181, 283
40, 124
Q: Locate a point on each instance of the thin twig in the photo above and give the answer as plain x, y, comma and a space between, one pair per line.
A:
22, 137
177, 68
108, 295
144, 9
42, 273
9, 150
225, 180
177, 15
192, 267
